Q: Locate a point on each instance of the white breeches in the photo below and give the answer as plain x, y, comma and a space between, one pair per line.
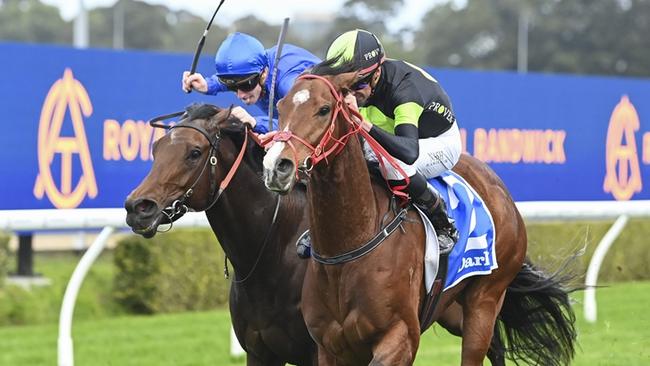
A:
437, 155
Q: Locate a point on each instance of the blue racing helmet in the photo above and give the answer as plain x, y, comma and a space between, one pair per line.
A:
240, 54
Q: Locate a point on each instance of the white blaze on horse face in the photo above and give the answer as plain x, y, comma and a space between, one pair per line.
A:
300, 97
172, 136
273, 155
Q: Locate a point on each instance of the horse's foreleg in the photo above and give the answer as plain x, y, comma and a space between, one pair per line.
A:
397, 347
480, 310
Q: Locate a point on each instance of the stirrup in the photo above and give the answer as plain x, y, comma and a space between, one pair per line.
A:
447, 238
303, 245
445, 244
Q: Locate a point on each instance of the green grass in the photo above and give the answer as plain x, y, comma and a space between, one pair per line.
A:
620, 337
42, 304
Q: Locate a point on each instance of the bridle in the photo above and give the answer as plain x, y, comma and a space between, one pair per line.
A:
330, 145
179, 207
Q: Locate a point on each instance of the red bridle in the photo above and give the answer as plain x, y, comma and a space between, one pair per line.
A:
329, 144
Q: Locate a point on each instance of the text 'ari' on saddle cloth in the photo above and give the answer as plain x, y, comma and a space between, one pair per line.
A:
474, 253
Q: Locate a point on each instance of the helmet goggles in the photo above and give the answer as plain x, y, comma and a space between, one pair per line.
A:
244, 83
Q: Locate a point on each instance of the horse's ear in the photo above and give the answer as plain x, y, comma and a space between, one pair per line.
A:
221, 117
346, 80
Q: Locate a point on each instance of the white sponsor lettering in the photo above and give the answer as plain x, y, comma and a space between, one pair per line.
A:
476, 261
372, 54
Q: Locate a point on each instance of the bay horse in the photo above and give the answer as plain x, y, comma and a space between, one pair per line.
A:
255, 228
366, 311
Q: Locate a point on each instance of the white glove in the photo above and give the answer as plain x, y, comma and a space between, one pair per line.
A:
194, 81
243, 116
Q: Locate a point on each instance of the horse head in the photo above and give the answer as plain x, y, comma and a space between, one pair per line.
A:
314, 125
186, 171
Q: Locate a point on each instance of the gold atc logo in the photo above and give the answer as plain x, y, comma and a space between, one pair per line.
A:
623, 175
66, 95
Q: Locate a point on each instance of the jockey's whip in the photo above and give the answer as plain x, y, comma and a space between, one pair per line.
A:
199, 47
274, 74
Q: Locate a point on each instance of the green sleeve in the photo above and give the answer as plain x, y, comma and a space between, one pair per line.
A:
408, 113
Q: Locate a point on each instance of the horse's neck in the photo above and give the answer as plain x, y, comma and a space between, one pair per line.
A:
343, 206
243, 216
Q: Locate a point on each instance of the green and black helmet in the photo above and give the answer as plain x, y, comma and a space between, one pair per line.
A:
360, 47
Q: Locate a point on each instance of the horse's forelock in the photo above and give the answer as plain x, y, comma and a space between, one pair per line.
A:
201, 111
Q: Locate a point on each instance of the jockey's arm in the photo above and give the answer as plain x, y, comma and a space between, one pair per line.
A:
283, 85
285, 82
404, 144
262, 125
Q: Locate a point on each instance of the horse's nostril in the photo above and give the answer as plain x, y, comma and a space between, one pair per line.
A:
285, 167
141, 207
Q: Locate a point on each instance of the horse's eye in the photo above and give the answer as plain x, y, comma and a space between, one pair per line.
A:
195, 154
324, 110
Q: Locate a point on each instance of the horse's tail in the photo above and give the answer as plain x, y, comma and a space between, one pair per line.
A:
536, 321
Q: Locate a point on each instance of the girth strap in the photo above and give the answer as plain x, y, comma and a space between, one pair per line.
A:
366, 248
431, 299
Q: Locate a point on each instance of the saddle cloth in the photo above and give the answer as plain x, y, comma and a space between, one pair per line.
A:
474, 253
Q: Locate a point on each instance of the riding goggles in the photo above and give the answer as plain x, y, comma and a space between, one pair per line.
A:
363, 83
245, 84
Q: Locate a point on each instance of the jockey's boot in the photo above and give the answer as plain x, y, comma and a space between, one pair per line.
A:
303, 245
434, 207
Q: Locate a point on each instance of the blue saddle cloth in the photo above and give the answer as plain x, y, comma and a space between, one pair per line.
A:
474, 253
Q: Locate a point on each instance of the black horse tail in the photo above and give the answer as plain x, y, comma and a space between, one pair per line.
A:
536, 321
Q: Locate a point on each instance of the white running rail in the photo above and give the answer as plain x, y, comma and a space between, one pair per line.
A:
110, 220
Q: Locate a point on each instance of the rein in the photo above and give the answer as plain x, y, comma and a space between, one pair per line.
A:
259, 255
330, 145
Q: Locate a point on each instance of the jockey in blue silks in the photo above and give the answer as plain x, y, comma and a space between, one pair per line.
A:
243, 66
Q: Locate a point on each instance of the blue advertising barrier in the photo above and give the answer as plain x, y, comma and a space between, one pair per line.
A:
75, 135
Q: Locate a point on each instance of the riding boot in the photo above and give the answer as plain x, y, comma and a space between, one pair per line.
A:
434, 207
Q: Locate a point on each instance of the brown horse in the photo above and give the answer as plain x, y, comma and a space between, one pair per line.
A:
255, 227
366, 311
